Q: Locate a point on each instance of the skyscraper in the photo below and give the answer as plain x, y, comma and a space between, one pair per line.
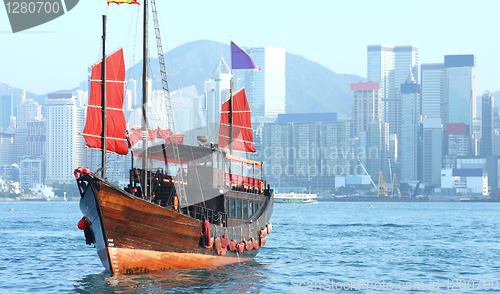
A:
487, 124
366, 108
216, 93
377, 149
389, 65
266, 89
26, 111
432, 137
410, 118
435, 91
61, 139
461, 88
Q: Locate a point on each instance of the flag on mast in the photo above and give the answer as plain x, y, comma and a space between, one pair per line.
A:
123, 1
240, 59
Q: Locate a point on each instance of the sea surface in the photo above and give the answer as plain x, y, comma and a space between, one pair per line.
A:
325, 247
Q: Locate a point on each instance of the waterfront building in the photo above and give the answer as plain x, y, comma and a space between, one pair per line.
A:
60, 110
458, 143
31, 172
307, 149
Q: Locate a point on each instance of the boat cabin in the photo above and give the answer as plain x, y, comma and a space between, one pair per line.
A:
224, 189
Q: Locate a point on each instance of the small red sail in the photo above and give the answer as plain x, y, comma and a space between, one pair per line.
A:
134, 136
242, 124
115, 119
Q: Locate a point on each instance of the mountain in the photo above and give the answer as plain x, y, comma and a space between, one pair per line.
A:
38, 98
310, 87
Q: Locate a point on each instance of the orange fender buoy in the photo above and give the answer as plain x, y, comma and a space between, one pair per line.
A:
218, 247
224, 241
269, 228
240, 247
263, 241
263, 232
206, 234
232, 245
248, 245
255, 244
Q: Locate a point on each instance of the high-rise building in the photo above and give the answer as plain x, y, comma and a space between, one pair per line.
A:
377, 149
366, 108
132, 86
216, 92
432, 137
307, 149
36, 138
60, 110
435, 91
487, 124
7, 150
31, 172
266, 88
461, 88
458, 143
9, 101
410, 118
6, 111
26, 111
389, 65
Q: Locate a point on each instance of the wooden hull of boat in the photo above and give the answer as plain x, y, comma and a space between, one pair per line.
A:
134, 236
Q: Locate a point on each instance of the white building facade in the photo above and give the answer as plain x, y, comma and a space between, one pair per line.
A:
266, 88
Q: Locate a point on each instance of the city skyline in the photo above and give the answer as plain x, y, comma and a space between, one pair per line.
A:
328, 36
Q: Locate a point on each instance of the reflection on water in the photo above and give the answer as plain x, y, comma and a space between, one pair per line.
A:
236, 278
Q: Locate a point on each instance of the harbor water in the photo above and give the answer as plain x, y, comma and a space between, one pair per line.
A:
323, 247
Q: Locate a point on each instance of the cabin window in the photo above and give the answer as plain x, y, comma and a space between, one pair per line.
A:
250, 208
227, 206
256, 206
245, 209
257, 173
233, 209
238, 209
236, 168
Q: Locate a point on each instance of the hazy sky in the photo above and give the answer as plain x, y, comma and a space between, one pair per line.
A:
56, 55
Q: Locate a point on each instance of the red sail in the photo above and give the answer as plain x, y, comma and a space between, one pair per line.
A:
115, 119
242, 124
135, 136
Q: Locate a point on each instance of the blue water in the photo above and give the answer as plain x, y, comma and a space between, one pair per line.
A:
360, 248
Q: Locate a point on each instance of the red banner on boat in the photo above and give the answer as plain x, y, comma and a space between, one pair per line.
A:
134, 136
115, 119
241, 121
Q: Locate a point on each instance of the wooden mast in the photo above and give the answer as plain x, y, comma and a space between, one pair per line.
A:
103, 98
144, 184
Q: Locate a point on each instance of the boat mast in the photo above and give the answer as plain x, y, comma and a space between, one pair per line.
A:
231, 82
144, 183
103, 98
